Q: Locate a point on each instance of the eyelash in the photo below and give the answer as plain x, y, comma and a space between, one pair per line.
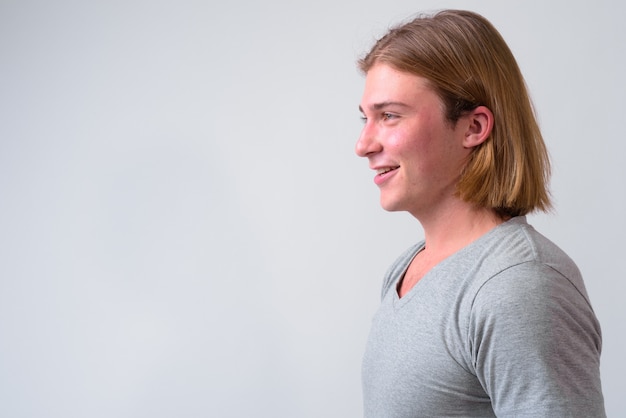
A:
384, 116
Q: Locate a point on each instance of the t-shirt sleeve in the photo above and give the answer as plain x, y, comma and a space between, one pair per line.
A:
535, 345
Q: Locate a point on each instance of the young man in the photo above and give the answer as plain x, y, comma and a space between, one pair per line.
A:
485, 317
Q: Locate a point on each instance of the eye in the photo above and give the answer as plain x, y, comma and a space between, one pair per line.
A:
363, 119
388, 116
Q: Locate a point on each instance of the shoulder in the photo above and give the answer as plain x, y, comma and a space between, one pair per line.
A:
526, 273
533, 296
520, 254
532, 322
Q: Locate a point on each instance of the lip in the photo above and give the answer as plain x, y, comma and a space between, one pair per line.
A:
382, 177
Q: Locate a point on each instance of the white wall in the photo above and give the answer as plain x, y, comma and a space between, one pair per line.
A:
184, 228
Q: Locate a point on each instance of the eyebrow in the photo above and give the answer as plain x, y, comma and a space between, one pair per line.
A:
382, 105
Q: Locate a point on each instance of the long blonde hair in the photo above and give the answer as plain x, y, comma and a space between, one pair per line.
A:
469, 64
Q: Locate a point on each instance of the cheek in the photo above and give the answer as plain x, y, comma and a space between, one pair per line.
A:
409, 142
421, 151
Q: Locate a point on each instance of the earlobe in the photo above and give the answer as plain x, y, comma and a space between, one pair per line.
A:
480, 126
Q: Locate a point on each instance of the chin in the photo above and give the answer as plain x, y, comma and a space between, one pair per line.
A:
391, 206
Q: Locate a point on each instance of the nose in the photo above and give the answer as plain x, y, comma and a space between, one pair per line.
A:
367, 144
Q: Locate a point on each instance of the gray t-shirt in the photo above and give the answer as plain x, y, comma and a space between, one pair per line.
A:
503, 327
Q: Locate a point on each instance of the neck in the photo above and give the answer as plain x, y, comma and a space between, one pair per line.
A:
455, 227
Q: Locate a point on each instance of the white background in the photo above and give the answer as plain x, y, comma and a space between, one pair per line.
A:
185, 230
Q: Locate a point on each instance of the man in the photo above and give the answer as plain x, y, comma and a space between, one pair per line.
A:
485, 316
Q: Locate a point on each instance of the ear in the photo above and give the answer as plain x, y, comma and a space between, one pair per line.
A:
479, 127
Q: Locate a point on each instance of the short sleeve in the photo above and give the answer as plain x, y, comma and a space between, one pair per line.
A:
535, 344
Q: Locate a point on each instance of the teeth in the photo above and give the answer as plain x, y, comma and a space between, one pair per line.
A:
385, 170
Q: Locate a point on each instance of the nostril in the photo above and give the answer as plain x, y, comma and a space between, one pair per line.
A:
367, 145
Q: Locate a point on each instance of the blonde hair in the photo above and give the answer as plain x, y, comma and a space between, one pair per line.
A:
468, 64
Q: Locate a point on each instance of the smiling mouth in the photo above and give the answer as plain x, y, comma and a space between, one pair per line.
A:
385, 170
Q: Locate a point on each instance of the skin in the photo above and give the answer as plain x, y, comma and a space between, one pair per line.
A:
418, 156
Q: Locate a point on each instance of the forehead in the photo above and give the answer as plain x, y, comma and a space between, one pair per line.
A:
385, 84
